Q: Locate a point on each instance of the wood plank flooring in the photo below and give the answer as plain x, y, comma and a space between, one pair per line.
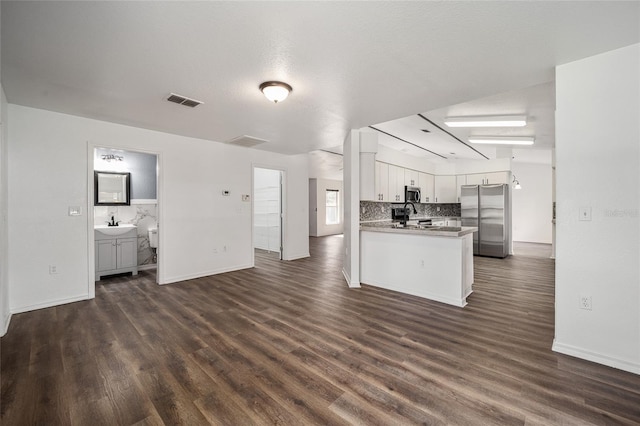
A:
288, 343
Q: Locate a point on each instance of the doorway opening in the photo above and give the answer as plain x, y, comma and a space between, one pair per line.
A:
267, 211
136, 214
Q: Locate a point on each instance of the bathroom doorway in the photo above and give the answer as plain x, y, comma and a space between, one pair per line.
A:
267, 211
140, 213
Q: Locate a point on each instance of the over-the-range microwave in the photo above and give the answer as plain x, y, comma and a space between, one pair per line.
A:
411, 194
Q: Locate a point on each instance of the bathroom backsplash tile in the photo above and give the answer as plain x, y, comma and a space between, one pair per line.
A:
144, 216
371, 210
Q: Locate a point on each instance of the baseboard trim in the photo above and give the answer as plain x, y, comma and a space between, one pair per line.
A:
49, 304
193, 276
595, 357
347, 277
7, 320
298, 256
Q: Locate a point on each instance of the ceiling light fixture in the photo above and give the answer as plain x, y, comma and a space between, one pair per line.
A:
275, 91
502, 140
487, 121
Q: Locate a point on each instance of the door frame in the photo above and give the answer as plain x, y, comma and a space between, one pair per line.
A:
91, 267
283, 209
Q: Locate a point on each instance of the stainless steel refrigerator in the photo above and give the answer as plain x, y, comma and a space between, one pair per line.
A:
487, 207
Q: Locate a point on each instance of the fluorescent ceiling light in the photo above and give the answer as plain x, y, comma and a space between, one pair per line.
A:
487, 121
502, 140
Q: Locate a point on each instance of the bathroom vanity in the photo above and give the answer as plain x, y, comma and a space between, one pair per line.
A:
116, 250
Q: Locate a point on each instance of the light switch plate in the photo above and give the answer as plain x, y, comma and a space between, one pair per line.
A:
585, 213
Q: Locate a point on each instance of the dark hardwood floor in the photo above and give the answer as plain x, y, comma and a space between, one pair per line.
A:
288, 343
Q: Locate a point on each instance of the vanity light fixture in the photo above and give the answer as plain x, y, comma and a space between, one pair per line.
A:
487, 121
275, 91
111, 157
502, 140
516, 183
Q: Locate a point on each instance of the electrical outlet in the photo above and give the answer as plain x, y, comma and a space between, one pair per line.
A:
224, 249
215, 251
422, 263
53, 269
585, 302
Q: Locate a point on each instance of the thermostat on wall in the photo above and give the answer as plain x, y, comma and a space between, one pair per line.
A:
225, 193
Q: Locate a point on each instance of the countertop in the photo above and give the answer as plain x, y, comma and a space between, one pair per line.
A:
436, 231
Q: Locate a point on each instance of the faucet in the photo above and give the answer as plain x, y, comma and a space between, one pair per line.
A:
406, 216
113, 222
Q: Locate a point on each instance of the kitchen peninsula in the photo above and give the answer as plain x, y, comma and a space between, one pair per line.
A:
431, 262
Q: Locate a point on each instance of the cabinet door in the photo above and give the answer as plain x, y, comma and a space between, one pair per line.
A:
476, 179
382, 182
411, 177
460, 180
105, 255
396, 180
497, 177
127, 252
445, 189
425, 181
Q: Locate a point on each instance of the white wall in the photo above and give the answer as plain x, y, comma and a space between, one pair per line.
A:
532, 204
598, 167
320, 187
351, 161
4, 239
49, 160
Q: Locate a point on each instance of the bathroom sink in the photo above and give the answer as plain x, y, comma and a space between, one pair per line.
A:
114, 230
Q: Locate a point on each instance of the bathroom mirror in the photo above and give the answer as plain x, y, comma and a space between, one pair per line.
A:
112, 189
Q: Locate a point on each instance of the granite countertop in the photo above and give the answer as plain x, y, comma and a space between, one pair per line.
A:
435, 231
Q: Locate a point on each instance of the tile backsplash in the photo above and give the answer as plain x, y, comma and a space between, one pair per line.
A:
144, 216
371, 210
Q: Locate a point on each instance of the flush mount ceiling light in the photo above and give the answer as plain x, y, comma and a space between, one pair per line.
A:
487, 121
275, 91
502, 140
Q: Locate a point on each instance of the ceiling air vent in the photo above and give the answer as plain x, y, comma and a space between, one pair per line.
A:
182, 100
246, 141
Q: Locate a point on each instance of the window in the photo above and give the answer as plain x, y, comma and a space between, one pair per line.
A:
331, 203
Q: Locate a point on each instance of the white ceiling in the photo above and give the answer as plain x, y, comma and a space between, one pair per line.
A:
351, 64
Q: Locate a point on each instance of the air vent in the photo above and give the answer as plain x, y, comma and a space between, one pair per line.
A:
182, 100
246, 141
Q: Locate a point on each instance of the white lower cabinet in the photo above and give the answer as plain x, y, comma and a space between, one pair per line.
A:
116, 255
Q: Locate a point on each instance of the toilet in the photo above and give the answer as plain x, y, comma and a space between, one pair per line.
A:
153, 238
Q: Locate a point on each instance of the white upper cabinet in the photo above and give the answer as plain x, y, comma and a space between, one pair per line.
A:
411, 177
382, 182
396, 183
425, 182
460, 180
488, 178
445, 189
